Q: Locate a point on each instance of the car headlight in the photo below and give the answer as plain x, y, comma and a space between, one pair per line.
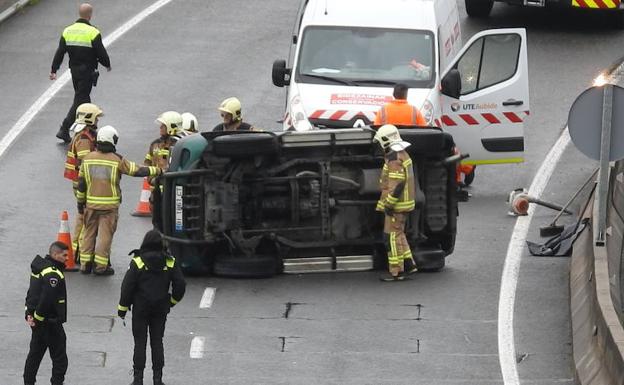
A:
427, 111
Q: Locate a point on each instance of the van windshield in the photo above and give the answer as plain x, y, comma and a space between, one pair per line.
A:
372, 57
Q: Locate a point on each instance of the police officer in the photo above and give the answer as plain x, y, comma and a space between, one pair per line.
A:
146, 286
231, 113
83, 44
46, 311
397, 200
99, 197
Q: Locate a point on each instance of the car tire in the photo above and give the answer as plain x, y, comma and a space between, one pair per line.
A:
190, 259
257, 266
245, 144
479, 8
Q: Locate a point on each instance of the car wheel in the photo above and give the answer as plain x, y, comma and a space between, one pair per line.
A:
257, 266
245, 145
190, 259
479, 8
429, 259
469, 178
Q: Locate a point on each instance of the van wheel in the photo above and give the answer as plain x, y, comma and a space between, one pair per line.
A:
479, 8
257, 266
469, 178
245, 145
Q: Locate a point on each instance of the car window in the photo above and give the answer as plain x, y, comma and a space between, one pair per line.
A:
361, 54
489, 60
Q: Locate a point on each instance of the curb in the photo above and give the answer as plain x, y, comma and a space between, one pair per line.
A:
13, 9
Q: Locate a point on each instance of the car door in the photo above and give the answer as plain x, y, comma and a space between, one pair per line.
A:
485, 97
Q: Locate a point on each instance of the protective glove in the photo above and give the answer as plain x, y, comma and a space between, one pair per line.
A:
81, 207
389, 211
121, 314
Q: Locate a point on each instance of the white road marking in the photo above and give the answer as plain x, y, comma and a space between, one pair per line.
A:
207, 298
40, 103
197, 347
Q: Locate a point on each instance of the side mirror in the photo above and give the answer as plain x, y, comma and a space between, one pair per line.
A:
451, 84
279, 73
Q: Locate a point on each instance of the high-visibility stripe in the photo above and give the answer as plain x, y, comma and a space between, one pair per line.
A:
447, 121
122, 308
407, 162
396, 175
153, 170
491, 118
83, 153
512, 117
493, 161
38, 317
317, 114
337, 115
469, 119
100, 260
139, 262
113, 182
101, 162
72, 43
61, 301
148, 157
170, 261
173, 301
102, 200
35, 275
50, 270
392, 200
85, 258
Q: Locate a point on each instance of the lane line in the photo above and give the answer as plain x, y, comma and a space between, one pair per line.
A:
197, 347
207, 298
516, 247
62, 80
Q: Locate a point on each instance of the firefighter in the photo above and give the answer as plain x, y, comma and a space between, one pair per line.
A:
99, 197
83, 44
189, 123
231, 113
399, 112
46, 311
145, 286
83, 142
397, 200
170, 123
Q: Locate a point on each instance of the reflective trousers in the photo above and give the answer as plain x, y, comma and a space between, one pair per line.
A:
396, 243
155, 324
97, 237
47, 336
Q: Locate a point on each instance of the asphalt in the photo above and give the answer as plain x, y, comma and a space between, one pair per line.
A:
345, 328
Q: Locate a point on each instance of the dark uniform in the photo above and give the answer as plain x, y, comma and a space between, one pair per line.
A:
146, 287
242, 127
45, 302
83, 44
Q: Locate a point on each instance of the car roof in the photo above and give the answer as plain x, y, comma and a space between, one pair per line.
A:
400, 14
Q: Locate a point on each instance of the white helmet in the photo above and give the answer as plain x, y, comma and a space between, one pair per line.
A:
189, 122
172, 120
107, 134
388, 137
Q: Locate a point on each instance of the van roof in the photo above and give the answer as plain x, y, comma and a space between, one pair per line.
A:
402, 14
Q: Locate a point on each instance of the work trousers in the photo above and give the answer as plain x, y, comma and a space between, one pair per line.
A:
396, 243
155, 324
47, 336
82, 78
97, 236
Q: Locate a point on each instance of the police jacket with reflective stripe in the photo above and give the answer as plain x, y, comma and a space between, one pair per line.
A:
99, 177
147, 282
46, 296
83, 44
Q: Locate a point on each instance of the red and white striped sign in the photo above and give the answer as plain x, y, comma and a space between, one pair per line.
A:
341, 114
474, 119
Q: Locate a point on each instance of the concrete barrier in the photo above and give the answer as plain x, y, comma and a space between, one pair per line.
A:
9, 7
598, 335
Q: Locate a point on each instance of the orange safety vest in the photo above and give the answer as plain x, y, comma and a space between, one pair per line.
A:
399, 112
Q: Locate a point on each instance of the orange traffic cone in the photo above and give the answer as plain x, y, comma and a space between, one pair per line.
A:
143, 208
65, 236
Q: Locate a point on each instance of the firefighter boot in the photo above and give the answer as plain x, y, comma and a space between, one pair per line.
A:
158, 377
86, 268
63, 134
387, 277
103, 270
410, 267
138, 377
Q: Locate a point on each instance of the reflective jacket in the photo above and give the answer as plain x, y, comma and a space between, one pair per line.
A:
82, 144
47, 295
399, 112
147, 282
83, 44
397, 183
158, 152
99, 177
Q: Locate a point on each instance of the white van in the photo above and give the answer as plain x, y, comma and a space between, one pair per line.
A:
347, 55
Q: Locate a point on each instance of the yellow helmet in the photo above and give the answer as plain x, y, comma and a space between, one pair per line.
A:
232, 106
172, 120
87, 113
189, 122
388, 137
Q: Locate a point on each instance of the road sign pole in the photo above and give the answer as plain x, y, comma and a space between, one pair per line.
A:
603, 175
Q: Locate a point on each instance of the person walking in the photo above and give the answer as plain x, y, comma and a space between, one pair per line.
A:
146, 287
398, 192
46, 311
83, 44
99, 197
399, 112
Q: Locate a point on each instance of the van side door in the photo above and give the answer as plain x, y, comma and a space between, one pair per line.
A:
485, 97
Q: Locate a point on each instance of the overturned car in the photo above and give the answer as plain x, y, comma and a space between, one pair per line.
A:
259, 203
